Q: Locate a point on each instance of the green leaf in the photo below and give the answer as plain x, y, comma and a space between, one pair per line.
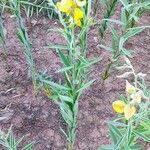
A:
117, 124
113, 136
66, 113
68, 80
124, 2
129, 132
115, 130
64, 58
141, 136
64, 133
56, 30
64, 69
127, 52
11, 140
55, 85
114, 21
123, 19
121, 43
88, 63
107, 147
107, 48
132, 32
85, 86
118, 145
114, 32
66, 98
57, 46
75, 108
29, 146
137, 147
19, 141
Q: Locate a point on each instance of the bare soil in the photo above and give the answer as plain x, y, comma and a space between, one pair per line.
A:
38, 118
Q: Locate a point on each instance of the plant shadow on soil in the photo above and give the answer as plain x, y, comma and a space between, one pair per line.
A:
38, 118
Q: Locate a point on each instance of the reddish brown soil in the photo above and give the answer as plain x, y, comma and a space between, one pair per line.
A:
38, 118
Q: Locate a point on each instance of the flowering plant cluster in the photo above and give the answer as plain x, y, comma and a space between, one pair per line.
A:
73, 9
133, 110
133, 119
132, 101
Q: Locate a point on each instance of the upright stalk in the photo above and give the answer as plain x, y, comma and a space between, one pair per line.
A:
108, 12
23, 36
75, 62
128, 23
2, 40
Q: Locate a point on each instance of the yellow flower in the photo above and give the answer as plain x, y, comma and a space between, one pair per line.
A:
118, 106
65, 6
72, 8
81, 3
136, 97
78, 15
130, 89
129, 111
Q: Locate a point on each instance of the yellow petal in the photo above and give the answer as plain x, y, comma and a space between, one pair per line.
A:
78, 22
130, 89
129, 111
118, 106
136, 97
81, 3
65, 5
78, 15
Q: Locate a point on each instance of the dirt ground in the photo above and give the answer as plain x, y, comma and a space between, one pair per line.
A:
38, 118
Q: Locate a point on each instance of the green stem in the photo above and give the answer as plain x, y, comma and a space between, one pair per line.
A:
23, 36
107, 14
107, 71
3, 39
89, 9
95, 7
70, 146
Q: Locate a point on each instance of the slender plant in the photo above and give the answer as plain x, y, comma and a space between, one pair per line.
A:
131, 15
9, 142
118, 41
109, 10
133, 10
30, 7
37, 7
73, 56
23, 36
3, 43
133, 120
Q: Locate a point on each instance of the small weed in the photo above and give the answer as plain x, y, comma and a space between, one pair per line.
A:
23, 36
9, 141
129, 17
133, 119
3, 43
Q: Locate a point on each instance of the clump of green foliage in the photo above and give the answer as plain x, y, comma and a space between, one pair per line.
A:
3, 43
9, 142
75, 70
23, 36
31, 7
133, 121
130, 14
75, 18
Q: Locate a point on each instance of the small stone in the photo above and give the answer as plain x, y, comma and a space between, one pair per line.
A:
55, 23
95, 39
34, 22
